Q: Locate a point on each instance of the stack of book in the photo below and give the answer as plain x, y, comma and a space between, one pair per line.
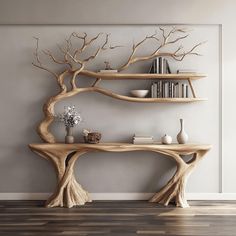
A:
108, 71
160, 65
142, 139
169, 89
186, 72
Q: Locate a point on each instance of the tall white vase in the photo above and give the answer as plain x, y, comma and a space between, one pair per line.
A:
182, 137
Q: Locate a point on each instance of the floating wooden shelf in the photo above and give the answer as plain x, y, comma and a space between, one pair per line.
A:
65, 92
135, 99
121, 76
163, 100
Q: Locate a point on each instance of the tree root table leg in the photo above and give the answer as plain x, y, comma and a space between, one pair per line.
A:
174, 190
69, 192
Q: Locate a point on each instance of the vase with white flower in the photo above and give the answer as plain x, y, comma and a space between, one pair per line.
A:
70, 117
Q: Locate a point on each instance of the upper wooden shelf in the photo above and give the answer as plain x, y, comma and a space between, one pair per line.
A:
121, 76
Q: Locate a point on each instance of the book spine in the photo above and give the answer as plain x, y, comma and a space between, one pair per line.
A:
169, 89
164, 66
158, 89
152, 90
168, 70
157, 65
155, 90
163, 89
161, 65
154, 66
182, 90
186, 91
177, 90
160, 95
166, 89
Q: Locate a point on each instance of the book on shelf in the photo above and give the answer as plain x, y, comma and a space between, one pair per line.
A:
184, 92
169, 89
186, 72
168, 70
160, 65
142, 139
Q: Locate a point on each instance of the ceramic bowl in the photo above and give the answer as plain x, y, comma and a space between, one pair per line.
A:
139, 93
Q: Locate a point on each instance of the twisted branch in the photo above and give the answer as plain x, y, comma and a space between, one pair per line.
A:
38, 61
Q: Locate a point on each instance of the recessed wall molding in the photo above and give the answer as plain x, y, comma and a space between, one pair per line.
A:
212, 13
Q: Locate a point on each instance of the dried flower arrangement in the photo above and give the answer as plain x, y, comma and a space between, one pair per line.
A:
70, 117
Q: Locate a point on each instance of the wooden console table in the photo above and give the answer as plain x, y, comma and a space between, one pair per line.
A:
69, 192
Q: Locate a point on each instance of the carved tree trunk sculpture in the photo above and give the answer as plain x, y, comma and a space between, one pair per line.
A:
175, 188
69, 193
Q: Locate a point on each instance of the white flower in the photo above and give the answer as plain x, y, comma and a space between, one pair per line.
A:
70, 116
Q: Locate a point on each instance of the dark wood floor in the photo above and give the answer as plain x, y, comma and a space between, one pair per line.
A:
118, 218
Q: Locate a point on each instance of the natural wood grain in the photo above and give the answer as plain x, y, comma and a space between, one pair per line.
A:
115, 218
69, 193
140, 76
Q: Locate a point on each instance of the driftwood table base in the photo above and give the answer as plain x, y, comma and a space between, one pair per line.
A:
69, 192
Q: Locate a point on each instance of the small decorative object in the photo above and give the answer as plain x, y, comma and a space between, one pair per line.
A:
91, 137
108, 68
71, 118
182, 137
139, 93
166, 139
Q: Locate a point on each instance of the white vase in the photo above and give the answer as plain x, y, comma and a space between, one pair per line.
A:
182, 137
69, 138
166, 139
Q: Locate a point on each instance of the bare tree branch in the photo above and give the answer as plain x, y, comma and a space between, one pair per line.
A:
167, 39
39, 63
48, 53
102, 48
180, 56
85, 44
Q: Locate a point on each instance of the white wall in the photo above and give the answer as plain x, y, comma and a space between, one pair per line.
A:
31, 179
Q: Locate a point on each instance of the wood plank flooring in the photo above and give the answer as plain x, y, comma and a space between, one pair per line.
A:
118, 218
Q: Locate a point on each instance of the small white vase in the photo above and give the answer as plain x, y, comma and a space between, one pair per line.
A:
182, 137
69, 138
166, 139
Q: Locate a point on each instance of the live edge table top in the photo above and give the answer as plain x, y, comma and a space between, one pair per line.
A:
190, 147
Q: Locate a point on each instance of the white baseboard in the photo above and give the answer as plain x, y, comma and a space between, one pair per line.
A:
119, 196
